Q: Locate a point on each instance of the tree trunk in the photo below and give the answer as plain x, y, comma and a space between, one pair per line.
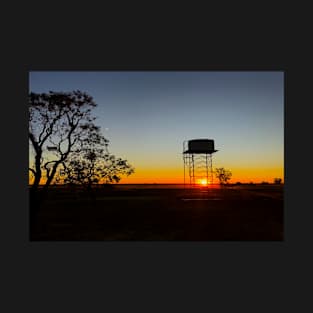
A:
38, 170
51, 176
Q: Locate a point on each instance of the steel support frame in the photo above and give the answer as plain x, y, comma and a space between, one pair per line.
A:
197, 166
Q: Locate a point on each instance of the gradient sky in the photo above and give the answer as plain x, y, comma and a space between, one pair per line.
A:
147, 116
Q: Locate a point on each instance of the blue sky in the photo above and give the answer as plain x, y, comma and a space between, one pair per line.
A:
147, 115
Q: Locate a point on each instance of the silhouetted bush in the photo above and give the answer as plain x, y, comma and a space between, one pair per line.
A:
223, 175
277, 181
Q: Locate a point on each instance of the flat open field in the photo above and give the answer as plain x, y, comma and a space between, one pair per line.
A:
232, 213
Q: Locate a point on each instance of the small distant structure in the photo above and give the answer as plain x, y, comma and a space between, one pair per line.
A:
52, 148
197, 157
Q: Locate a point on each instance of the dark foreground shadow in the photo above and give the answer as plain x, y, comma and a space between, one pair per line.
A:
241, 213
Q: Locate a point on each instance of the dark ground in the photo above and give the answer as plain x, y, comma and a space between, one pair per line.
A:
232, 213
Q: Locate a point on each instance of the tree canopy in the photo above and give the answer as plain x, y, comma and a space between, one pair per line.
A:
95, 166
62, 134
223, 175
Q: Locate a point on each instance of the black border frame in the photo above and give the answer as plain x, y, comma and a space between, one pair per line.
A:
80, 276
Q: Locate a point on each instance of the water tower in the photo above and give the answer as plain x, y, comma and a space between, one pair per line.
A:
197, 156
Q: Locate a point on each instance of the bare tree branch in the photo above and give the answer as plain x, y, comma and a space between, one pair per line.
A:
32, 170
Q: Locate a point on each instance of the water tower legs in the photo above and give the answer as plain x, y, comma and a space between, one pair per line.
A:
199, 168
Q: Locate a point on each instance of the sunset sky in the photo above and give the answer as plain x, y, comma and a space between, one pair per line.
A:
147, 115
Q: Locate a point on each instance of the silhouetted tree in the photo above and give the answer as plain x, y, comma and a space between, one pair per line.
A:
95, 166
61, 123
223, 175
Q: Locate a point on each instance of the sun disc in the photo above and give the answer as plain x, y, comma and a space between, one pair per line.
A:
202, 182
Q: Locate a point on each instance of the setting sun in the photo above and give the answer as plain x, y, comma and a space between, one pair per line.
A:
203, 182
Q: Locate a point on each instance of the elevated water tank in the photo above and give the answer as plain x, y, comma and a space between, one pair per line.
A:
200, 146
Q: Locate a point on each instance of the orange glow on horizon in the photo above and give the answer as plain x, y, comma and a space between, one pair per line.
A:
175, 176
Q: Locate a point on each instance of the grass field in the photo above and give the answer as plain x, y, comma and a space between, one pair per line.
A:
232, 213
